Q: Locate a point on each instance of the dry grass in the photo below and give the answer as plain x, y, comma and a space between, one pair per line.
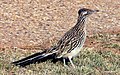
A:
90, 61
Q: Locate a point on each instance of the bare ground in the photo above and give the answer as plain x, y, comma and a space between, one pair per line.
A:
40, 23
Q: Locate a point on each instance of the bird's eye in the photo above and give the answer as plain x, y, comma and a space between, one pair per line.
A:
84, 13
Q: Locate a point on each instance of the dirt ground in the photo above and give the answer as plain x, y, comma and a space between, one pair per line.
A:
40, 23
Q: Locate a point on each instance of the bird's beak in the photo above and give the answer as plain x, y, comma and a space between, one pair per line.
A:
95, 11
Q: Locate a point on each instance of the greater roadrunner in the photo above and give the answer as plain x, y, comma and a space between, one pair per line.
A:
68, 46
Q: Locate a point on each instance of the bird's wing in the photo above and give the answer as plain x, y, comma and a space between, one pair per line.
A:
69, 42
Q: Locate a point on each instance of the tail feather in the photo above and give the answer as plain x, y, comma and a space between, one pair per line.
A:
32, 59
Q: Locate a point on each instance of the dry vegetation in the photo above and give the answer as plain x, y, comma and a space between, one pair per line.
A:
27, 26
89, 62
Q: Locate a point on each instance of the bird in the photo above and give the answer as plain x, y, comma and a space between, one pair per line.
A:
69, 45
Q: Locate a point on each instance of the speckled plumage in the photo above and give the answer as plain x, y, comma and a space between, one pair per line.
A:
69, 45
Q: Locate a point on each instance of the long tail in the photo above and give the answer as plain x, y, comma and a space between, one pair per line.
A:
37, 57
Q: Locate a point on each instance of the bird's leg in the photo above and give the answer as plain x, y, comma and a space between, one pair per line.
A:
64, 62
71, 61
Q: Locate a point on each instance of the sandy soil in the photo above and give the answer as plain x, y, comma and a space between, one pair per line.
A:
40, 23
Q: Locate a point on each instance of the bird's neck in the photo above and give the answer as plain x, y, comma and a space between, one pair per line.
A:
80, 18
80, 22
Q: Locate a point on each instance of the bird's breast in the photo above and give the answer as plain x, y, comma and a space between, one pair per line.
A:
76, 50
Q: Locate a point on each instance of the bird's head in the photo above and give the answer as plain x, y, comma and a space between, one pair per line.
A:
86, 12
